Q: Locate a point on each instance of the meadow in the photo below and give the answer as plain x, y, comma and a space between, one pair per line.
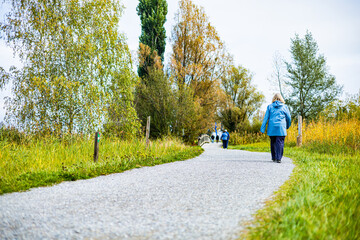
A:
45, 161
321, 200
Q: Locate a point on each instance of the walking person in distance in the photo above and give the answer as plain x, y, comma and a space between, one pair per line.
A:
225, 139
278, 118
212, 137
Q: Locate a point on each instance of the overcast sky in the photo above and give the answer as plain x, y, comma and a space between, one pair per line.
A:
254, 30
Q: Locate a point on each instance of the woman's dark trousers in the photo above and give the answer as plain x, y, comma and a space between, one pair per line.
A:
225, 143
277, 147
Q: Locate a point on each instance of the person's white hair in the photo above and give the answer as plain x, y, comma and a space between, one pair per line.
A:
278, 97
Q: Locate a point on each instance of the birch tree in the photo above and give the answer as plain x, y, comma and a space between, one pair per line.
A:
75, 62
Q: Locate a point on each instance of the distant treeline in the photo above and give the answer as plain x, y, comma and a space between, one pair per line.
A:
77, 75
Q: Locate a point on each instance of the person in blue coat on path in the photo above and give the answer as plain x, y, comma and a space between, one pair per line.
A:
278, 118
225, 139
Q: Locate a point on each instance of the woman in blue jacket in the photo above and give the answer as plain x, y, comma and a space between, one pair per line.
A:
278, 118
225, 139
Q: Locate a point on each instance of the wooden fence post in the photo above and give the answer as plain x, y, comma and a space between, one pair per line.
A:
96, 146
299, 137
147, 131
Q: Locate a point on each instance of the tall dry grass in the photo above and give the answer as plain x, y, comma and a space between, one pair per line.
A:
328, 134
243, 138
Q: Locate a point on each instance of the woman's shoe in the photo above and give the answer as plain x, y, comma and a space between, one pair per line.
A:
278, 161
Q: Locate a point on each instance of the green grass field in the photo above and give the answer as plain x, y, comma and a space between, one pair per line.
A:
321, 200
45, 162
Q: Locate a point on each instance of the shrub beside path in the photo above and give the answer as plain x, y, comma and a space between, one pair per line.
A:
207, 197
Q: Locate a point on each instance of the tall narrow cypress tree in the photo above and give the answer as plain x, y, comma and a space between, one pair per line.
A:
152, 15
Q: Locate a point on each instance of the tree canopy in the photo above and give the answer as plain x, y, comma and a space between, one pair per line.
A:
154, 96
198, 61
75, 62
77, 72
243, 100
312, 87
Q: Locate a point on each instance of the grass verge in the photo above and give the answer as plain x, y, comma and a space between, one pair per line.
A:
321, 200
43, 163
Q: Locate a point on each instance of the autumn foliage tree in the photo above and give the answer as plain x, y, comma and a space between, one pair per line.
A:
76, 67
198, 61
242, 101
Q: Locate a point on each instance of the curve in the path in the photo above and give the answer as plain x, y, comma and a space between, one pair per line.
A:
202, 198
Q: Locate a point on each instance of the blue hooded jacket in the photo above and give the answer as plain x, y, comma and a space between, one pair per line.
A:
278, 118
225, 136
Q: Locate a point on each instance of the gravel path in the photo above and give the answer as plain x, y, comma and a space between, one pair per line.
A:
206, 197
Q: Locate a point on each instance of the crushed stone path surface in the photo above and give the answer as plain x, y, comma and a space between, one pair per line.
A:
207, 197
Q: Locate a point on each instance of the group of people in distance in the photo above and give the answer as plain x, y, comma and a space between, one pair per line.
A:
224, 136
278, 119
